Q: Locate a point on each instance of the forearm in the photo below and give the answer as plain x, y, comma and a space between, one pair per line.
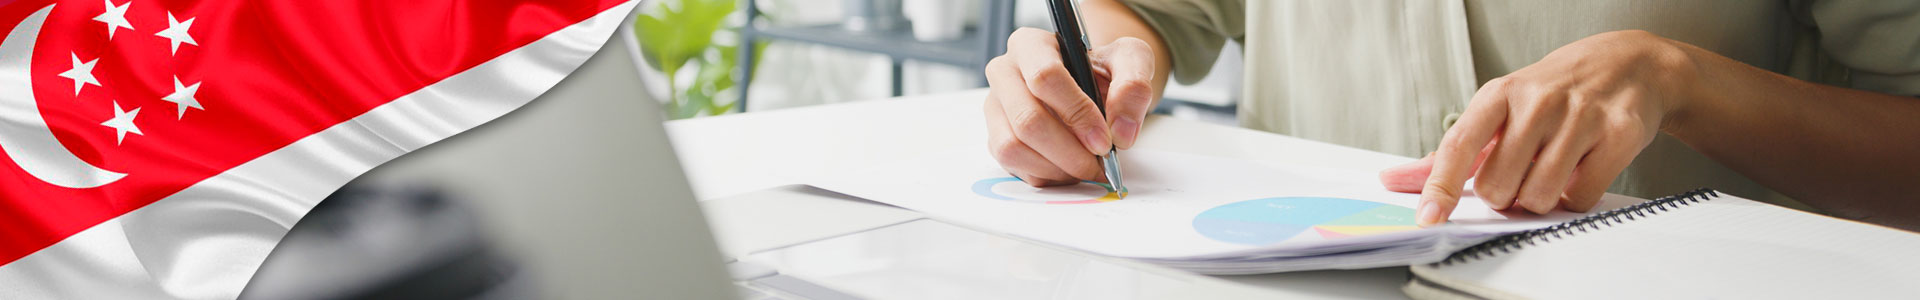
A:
1850, 152
1108, 20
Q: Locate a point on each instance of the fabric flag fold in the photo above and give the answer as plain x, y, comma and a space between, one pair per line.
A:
161, 148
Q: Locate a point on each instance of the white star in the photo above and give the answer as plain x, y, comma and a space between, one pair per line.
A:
122, 122
183, 95
115, 17
177, 31
82, 73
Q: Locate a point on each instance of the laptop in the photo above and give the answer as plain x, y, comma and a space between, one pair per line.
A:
576, 195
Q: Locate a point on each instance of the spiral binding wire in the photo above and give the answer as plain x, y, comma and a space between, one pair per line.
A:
1520, 240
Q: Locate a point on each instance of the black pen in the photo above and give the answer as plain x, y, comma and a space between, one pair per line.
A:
1073, 51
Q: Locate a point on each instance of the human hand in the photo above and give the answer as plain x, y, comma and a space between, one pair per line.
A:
1042, 128
1555, 133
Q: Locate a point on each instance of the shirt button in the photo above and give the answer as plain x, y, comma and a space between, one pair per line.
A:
1447, 123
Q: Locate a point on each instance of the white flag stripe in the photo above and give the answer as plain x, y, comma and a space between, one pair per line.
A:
206, 241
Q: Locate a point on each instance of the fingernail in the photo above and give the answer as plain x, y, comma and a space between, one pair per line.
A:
1429, 213
1096, 140
1125, 129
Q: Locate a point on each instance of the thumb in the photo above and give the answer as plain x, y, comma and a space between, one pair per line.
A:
1407, 178
1412, 177
1130, 95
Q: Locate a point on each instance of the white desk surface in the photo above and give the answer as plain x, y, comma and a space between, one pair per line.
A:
736, 154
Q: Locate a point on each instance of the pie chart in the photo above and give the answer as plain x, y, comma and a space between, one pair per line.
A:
1269, 221
1010, 189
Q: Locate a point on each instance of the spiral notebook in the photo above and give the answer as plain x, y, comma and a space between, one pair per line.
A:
1695, 245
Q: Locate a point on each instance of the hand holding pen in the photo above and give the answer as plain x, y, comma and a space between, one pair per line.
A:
1044, 127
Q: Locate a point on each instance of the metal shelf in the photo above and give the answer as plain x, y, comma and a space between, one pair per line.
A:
899, 44
975, 47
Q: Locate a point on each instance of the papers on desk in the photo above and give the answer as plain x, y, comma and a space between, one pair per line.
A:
1197, 213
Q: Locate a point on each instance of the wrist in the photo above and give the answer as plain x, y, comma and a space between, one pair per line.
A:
1690, 86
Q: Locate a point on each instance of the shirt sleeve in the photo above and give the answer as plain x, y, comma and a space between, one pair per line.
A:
1194, 30
1878, 41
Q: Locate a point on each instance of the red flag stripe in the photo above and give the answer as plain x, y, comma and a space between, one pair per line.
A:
271, 73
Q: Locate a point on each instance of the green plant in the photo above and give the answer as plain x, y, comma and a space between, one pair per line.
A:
679, 32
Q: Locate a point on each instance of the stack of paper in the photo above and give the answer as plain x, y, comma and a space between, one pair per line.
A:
1202, 214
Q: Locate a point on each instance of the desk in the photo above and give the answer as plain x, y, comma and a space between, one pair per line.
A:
732, 155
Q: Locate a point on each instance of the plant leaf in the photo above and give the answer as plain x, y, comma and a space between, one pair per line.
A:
671, 35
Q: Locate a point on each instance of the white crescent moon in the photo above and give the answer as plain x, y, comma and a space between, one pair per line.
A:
23, 134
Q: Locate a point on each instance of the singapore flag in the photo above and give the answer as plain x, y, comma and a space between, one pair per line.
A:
157, 149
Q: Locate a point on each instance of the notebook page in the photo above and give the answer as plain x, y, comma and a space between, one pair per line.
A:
1727, 248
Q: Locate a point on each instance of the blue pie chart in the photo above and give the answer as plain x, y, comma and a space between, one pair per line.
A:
1273, 220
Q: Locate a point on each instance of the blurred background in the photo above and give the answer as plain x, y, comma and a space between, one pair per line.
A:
816, 52
381, 239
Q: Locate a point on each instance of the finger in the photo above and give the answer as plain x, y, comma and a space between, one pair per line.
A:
1034, 126
1596, 172
1540, 191
1498, 182
1454, 160
1407, 178
1038, 61
1015, 156
1128, 62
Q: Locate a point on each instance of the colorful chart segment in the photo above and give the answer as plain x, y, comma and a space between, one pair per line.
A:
1273, 220
984, 188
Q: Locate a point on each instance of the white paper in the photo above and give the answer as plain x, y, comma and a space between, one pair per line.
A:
1179, 206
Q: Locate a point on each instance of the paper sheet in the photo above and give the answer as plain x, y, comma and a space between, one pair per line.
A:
1179, 205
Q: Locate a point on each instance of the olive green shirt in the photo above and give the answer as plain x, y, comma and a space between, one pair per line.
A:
1390, 76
